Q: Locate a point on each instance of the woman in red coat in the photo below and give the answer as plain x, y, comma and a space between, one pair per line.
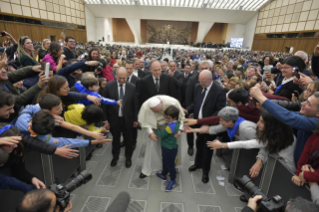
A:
113, 58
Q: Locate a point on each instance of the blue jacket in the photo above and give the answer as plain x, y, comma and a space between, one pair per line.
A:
86, 102
304, 124
14, 184
66, 71
25, 118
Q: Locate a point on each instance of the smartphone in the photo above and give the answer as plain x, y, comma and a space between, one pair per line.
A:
296, 93
64, 31
296, 72
47, 70
3, 34
83, 55
43, 64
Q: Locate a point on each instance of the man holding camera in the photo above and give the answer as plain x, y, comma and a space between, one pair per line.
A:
294, 205
41, 200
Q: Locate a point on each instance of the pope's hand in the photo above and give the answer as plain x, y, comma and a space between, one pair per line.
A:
153, 137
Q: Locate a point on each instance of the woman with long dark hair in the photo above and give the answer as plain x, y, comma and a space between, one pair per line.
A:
94, 55
272, 136
54, 56
59, 86
26, 55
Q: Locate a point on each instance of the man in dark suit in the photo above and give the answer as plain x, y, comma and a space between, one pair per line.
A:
186, 75
178, 79
136, 71
164, 67
209, 98
155, 84
124, 119
189, 98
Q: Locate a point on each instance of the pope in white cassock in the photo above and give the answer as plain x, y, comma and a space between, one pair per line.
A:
151, 116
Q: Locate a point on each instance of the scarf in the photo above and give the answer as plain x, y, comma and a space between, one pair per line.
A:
32, 133
232, 131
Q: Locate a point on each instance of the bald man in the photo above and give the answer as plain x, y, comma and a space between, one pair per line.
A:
121, 120
209, 99
156, 84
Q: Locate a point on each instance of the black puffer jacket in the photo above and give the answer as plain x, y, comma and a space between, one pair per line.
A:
289, 105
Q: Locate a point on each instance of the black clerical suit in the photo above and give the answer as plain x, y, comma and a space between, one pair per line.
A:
189, 98
147, 87
215, 100
124, 123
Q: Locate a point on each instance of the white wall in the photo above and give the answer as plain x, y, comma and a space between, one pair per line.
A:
249, 32
203, 29
172, 13
235, 31
90, 25
108, 30
99, 29
135, 25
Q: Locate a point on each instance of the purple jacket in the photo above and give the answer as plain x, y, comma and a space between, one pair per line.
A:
49, 59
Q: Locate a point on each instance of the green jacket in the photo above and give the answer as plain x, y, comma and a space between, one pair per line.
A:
16, 76
27, 61
167, 135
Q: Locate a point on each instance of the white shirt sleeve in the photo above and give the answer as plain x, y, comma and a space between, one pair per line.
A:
250, 144
215, 129
149, 130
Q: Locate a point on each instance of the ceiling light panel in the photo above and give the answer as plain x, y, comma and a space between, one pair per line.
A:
247, 5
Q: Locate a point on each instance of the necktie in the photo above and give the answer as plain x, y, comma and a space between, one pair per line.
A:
157, 84
121, 97
201, 100
128, 79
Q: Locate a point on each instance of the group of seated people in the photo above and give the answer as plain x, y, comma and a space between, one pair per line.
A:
272, 103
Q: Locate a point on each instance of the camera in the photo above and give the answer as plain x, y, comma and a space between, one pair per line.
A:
296, 72
62, 192
266, 204
99, 67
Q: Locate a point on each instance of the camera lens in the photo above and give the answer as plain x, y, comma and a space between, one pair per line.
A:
80, 179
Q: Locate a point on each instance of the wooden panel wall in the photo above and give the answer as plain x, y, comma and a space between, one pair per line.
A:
194, 31
38, 33
217, 33
143, 31
121, 31
279, 44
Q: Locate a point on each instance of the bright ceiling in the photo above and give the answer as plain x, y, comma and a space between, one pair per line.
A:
246, 5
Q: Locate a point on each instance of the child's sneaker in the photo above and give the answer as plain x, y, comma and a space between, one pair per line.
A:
170, 186
159, 175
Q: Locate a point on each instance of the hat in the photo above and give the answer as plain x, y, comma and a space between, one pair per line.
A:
154, 101
13, 65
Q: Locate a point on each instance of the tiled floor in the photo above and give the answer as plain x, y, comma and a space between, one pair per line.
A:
148, 195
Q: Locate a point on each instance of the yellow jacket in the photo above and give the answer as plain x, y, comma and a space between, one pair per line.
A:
74, 116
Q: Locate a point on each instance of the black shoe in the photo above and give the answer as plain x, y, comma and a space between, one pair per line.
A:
243, 198
128, 163
122, 144
205, 178
142, 175
190, 151
193, 168
114, 162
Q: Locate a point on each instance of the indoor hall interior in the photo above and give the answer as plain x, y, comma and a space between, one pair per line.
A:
148, 194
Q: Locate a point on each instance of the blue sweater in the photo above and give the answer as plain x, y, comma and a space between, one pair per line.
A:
86, 102
23, 124
14, 184
304, 124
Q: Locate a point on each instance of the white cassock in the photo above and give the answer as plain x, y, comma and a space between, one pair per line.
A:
149, 120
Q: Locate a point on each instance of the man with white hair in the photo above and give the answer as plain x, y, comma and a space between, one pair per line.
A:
304, 56
151, 116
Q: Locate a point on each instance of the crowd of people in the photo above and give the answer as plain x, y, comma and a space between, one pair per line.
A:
229, 98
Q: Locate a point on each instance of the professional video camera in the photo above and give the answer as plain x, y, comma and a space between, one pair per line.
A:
62, 192
265, 204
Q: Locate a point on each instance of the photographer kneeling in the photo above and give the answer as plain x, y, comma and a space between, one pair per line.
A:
40, 200
294, 205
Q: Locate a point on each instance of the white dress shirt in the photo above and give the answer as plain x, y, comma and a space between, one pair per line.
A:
200, 115
130, 78
154, 79
119, 89
135, 72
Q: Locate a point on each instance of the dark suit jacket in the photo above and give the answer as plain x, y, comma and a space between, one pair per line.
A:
214, 102
130, 104
178, 82
183, 89
141, 74
147, 87
190, 87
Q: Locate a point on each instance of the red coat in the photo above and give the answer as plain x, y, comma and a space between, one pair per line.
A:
107, 73
113, 61
310, 155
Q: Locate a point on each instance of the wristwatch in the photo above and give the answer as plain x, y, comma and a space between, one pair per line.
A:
223, 146
86, 62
